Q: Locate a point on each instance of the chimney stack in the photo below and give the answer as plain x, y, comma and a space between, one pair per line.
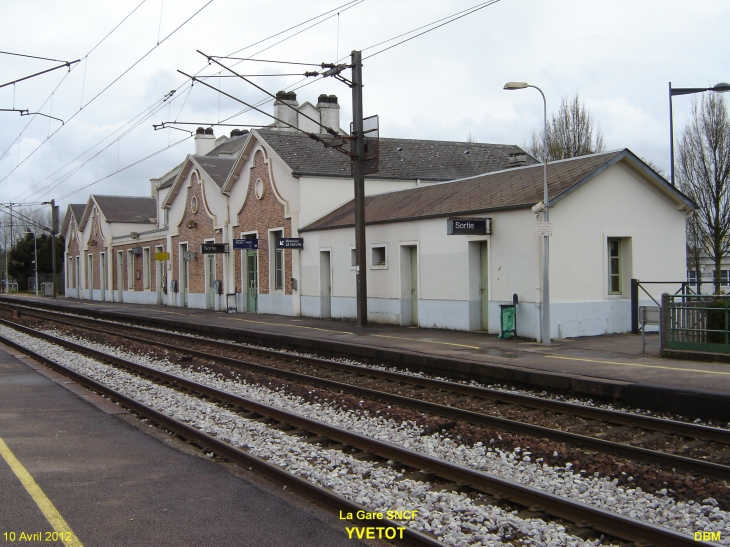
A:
204, 141
329, 112
283, 112
517, 159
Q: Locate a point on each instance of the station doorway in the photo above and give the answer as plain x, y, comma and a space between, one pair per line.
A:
102, 276
183, 275
325, 284
252, 281
210, 281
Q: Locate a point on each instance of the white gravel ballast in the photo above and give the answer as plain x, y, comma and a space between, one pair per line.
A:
461, 515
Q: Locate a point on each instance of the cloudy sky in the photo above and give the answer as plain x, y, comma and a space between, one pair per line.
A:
619, 55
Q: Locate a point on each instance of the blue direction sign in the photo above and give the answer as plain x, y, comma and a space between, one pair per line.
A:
245, 243
289, 243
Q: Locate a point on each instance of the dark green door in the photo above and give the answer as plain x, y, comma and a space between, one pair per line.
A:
252, 281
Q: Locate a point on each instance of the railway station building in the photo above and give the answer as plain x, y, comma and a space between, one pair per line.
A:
176, 247
612, 219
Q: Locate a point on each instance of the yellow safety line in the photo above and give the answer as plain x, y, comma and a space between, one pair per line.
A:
429, 341
44, 504
636, 365
295, 326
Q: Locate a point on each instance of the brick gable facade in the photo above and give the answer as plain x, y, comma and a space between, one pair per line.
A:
261, 215
202, 231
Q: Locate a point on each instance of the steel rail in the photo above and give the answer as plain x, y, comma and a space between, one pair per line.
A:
605, 521
684, 429
673, 461
316, 494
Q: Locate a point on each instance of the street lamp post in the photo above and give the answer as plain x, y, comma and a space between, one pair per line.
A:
722, 87
35, 262
545, 308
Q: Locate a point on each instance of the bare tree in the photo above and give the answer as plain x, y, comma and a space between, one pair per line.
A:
695, 249
571, 132
703, 174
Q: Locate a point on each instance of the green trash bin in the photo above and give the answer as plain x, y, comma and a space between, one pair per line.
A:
508, 321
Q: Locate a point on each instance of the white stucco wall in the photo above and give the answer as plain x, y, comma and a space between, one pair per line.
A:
616, 203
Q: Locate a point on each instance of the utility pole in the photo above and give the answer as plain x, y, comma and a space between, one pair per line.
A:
359, 178
54, 231
7, 290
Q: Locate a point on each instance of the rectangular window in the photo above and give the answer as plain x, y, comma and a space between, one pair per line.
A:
614, 266
378, 256
146, 269
279, 269
724, 277
130, 270
70, 273
278, 261
353, 258
692, 276
165, 217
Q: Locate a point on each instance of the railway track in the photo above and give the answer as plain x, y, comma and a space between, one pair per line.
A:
492, 490
457, 402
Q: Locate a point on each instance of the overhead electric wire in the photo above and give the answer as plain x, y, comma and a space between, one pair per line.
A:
107, 87
350, 4
328, 129
146, 115
157, 103
262, 60
473, 10
66, 75
32, 57
295, 26
40, 73
123, 168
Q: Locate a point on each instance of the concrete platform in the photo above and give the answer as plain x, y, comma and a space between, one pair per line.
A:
609, 366
116, 485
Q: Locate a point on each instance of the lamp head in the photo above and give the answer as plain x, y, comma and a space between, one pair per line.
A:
722, 87
511, 86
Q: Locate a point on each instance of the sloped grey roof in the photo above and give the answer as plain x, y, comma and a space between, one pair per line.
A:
405, 159
231, 146
217, 168
170, 180
78, 210
514, 188
133, 209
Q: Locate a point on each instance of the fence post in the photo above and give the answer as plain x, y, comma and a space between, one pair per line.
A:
635, 306
665, 323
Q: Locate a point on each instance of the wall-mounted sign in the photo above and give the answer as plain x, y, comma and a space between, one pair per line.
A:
245, 243
289, 243
543, 229
137, 251
213, 248
162, 256
468, 226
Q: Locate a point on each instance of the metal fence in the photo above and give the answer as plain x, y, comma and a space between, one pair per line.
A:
682, 288
696, 322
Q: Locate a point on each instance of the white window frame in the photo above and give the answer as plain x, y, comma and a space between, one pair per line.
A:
130, 270
353, 258
273, 252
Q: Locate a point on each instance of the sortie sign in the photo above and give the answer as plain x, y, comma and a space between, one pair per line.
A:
213, 248
468, 226
289, 243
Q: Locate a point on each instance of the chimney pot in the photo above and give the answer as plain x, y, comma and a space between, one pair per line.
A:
209, 131
200, 131
333, 99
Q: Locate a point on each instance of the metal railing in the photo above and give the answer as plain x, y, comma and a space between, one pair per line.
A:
696, 322
636, 285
